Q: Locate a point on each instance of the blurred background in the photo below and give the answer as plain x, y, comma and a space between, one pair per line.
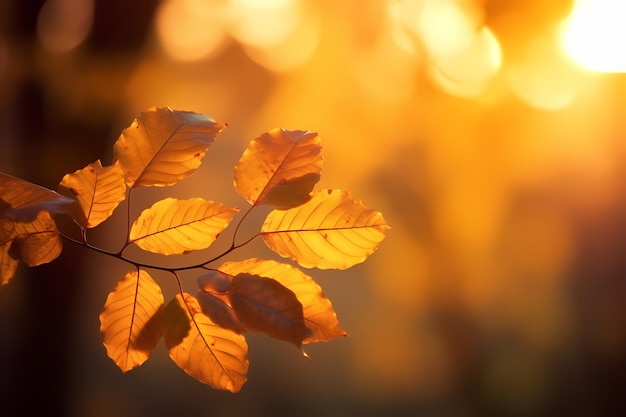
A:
490, 133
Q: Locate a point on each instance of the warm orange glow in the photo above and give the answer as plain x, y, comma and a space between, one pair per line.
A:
189, 30
467, 72
544, 79
594, 35
263, 23
294, 50
63, 24
445, 27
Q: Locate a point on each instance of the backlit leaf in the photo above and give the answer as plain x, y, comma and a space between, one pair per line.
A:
98, 190
131, 323
217, 308
264, 305
173, 226
207, 352
36, 242
22, 200
318, 312
8, 264
331, 231
162, 146
279, 168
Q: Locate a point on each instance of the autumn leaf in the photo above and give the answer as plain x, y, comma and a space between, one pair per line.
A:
331, 231
319, 316
8, 263
207, 352
264, 305
163, 146
131, 322
36, 242
173, 226
98, 191
279, 168
22, 200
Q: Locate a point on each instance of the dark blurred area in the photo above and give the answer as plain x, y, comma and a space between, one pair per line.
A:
491, 134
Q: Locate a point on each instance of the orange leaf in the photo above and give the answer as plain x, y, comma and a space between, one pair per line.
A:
8, 263
162, 146
98, 190
331, 231
264, 305
279, 168
207, 352
319, 316
131, 322
22, 200
34, 242
174, 226
213, 298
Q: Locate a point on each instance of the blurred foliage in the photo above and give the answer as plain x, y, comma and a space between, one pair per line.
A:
493, 150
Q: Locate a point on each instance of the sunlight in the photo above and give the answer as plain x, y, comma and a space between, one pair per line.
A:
545, 79
467, 72
190, 30
264, 23
446, 28
594, 35
293, 50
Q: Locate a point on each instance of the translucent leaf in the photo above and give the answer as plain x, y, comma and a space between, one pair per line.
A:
264, 305
207, 352
36, 242
279, 168
331, 231
319, 316
213, 289
22, 200
98, 190
174, 226
8, 264
217, 308
131, 323
162, 146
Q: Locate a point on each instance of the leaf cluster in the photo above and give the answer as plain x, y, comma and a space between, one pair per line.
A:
204, 333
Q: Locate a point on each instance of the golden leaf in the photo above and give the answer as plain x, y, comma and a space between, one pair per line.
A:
98, 190
131, 323
319, 316
331, 231
22, 200
162, 146
8, 263
205, 351
279, 168
174, 226
34, 242
264, 305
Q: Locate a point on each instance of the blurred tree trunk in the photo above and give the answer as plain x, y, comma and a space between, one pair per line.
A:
36, 370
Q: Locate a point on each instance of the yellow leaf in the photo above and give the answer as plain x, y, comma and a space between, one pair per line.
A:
22, 200
207, 352
331, 231
131, 323
98, 190
264, 305
279, 168
174, 226
162, 146
319, 316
